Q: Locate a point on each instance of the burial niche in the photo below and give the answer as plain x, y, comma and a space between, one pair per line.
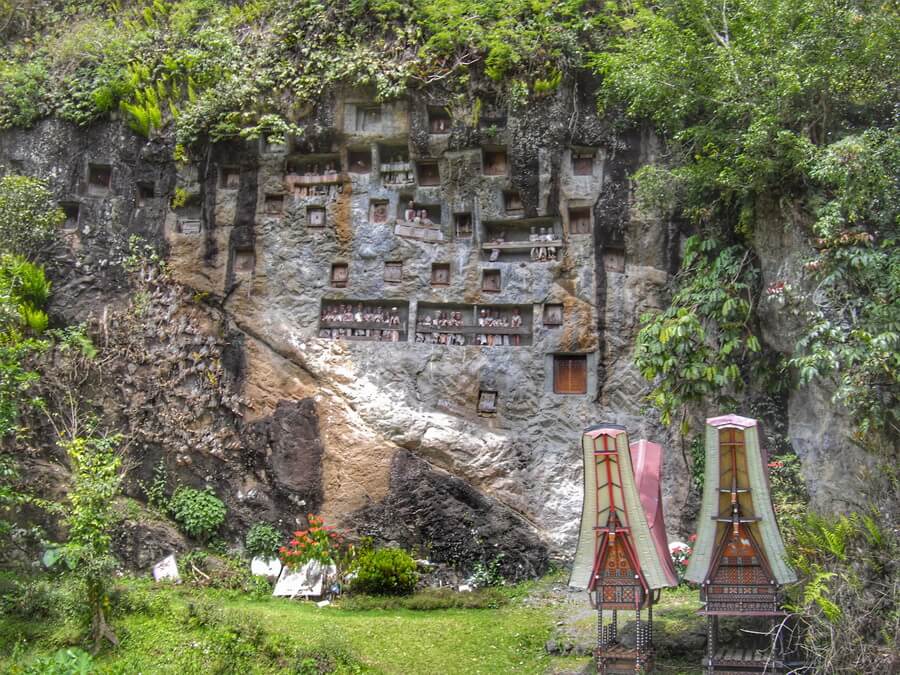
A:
244, 261
368, 118
490, 281
99, 179
229, 177
487, 402
340, 274
580, 220
188, 217
512, 203
359, 160
534, 239
463, 224
146, 191
582, 161
440, 274
72, 211
614, 258
428, 173
274, 204
378, 211
494, 162
394, 165
570, 373
313, 176
438, 121
379, 320
393, 272
478, 325
315, 216
553, 315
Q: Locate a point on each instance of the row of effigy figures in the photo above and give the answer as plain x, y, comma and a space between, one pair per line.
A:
541, 252
345, 313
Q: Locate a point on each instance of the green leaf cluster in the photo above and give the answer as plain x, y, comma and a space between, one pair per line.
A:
263, 540
700, 349
384, 571
29, 216
199, 513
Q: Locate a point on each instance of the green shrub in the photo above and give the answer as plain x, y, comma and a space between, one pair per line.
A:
199, 513
263, 540
385, 571
28, 216
63, 662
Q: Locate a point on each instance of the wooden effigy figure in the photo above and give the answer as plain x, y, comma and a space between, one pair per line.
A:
622, 557
739, 559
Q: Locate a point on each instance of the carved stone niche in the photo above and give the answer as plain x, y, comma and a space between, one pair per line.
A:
72, 211
188, 217
580, 220
614, 258
428, 173
512, 203
438, 121
583, 161
244, 261
393, 271
494, 162
368, 118
146, 191
463, 225
99, 179
340, 274
378, 211
315, 216
273, 204
394, 165
359, 160
553, 315
490, 281
487, 402
229, 177
440, 274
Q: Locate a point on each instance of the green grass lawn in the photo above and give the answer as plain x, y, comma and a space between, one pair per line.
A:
185, 630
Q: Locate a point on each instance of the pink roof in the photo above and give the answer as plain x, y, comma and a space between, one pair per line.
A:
605, 431
646, 457
731, 421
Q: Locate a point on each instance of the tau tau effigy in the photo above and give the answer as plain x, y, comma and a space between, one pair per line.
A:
739, 557
622, 557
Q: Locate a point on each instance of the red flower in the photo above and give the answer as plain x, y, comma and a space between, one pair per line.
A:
692, 538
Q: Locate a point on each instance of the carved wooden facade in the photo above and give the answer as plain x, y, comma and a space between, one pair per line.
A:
739, 558
622, 557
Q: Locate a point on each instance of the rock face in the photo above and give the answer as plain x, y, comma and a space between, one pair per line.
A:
399, 320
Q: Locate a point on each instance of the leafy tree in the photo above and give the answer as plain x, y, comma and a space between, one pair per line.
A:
853, 309
89, 516
29, 216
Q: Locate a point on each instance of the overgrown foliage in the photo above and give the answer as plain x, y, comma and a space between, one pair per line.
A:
848, 605
28, 216
89, 517
263, 541
699, 348
384, 571
199, 513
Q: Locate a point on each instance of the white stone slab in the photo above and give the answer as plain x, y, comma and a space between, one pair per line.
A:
166, 569
265, 567
308, 581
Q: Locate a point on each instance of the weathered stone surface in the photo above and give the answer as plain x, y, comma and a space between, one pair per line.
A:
451, 522
221, 370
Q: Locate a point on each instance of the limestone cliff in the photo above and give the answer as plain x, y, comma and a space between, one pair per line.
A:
245, 370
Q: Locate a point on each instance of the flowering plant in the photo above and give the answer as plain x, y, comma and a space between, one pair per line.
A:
320, 542
681, 554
